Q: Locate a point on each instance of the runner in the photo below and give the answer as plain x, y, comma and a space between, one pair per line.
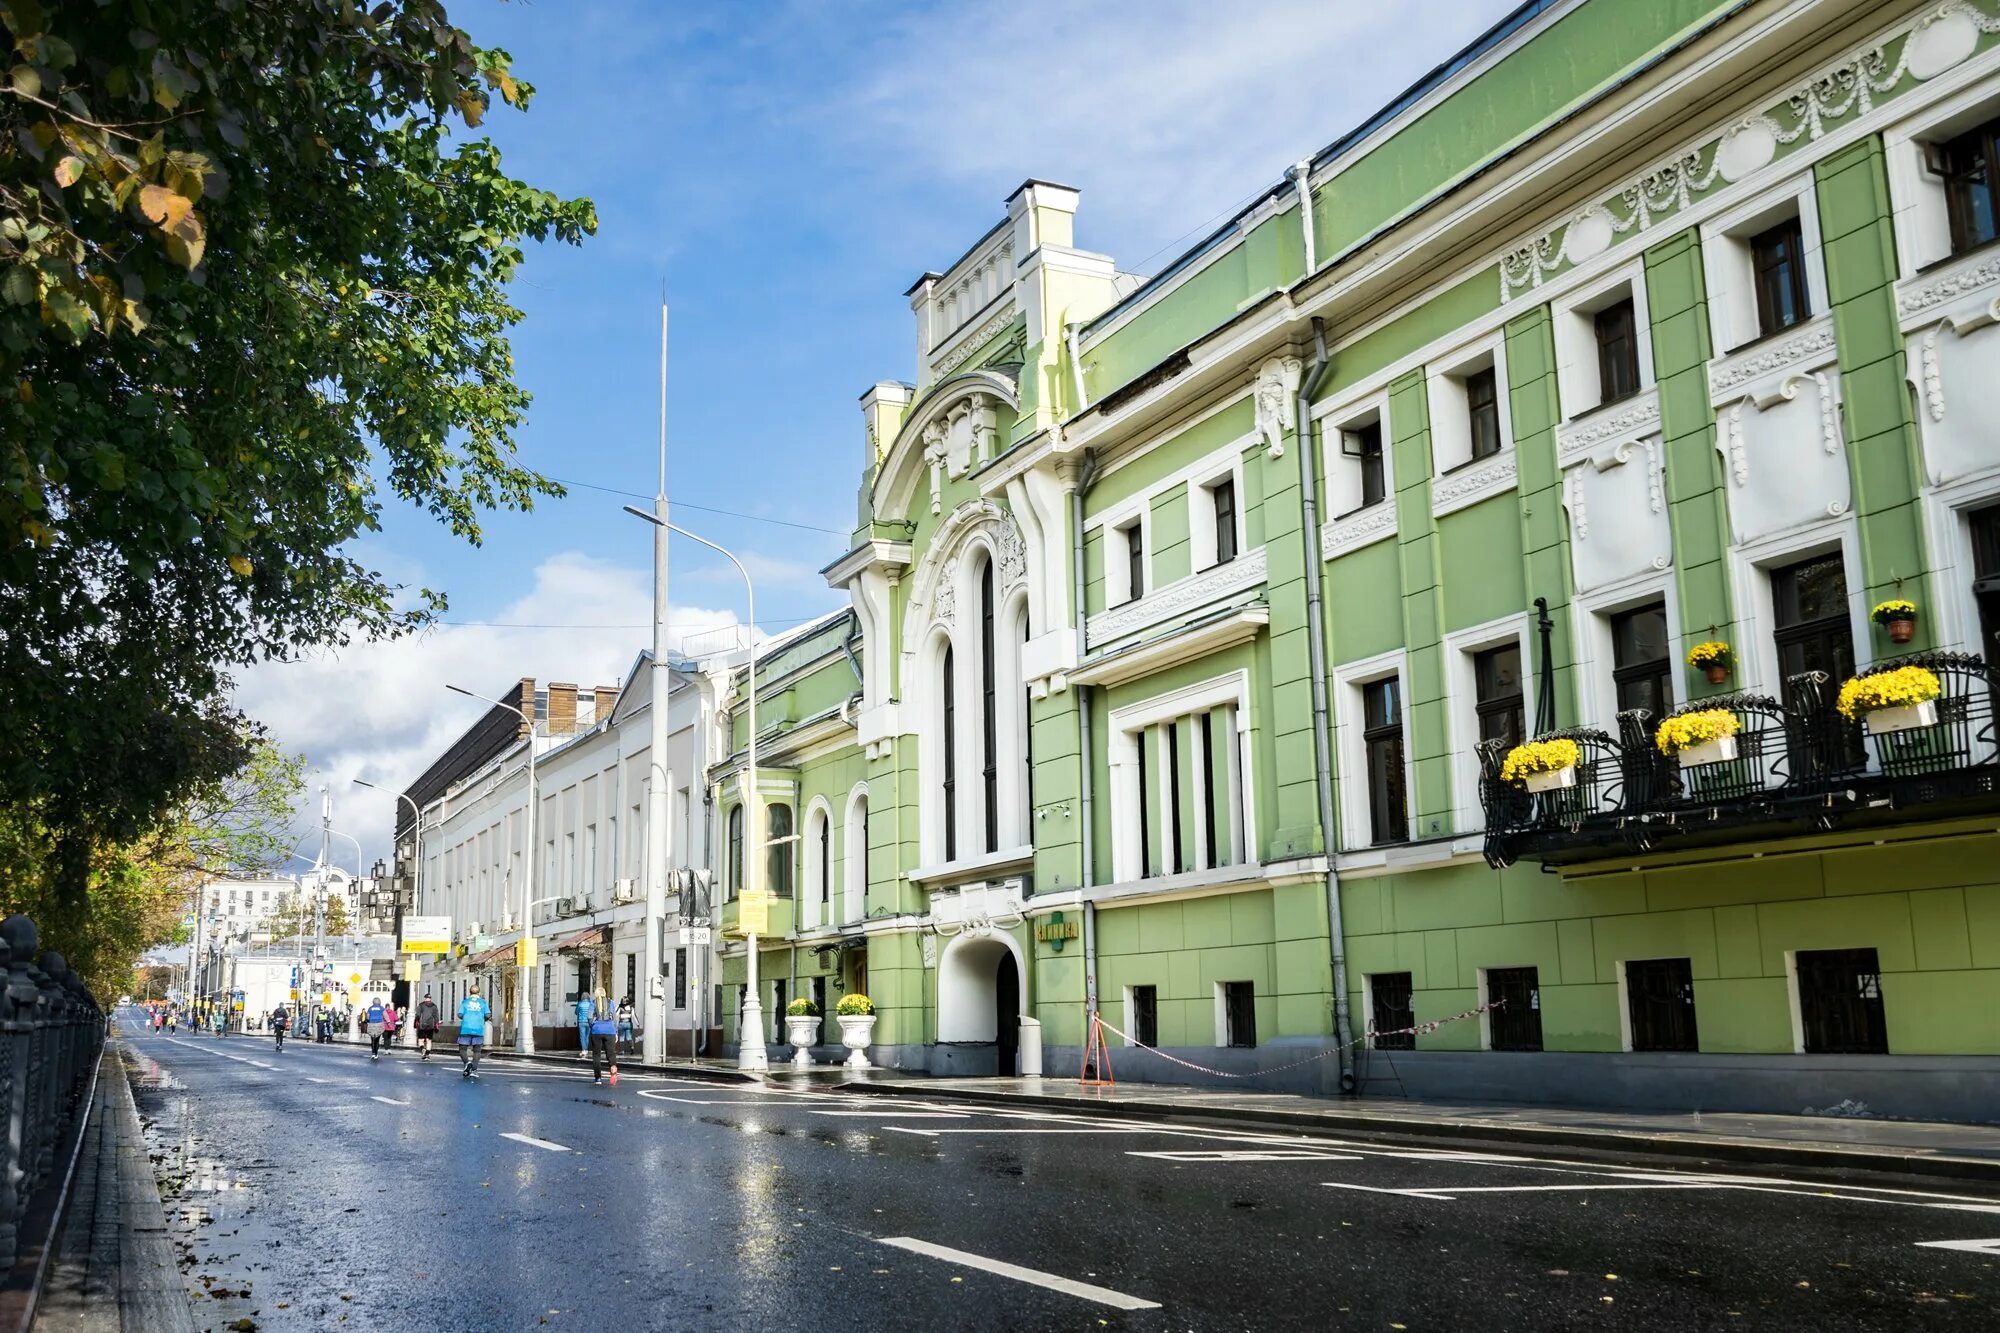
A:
280, 1020
376, 1020
427, 1024
472, 1015
603, 1035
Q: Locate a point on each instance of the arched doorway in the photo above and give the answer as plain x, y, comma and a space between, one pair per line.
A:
980, 996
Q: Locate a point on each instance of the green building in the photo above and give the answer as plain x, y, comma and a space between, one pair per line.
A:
1194, 618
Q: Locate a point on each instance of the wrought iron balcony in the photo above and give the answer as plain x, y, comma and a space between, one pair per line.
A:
1791, 767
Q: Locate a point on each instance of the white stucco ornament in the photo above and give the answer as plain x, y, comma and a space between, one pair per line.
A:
1747, 148
1941, 43
1589, 235
1277, 401
934, 455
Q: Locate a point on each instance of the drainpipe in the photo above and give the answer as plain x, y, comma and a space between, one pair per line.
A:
1322, 718
1086, 791
1302, 173
1075, 366
847, 648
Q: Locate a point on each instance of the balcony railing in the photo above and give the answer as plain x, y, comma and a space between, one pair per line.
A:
1798, 766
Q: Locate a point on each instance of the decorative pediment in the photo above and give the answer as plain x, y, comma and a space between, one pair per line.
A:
961, 424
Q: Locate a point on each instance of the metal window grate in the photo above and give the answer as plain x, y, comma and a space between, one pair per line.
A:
1840, 1002
1659, 995
1392, 1003
1515, 1024
1239, 1011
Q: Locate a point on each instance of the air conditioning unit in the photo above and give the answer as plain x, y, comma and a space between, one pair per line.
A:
506, 922
472, 931
566, 907
625, 890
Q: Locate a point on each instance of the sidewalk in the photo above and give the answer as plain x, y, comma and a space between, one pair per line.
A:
1966, 1152
114, 1269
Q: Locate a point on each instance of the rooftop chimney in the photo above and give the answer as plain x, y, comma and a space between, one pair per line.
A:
607, 699
562, 709
525, 701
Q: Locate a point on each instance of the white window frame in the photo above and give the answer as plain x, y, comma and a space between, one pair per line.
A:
1730, 269
854, 869
1131, 1022
1118, 588
1131, 727
1576, 339
1923, 221
1750, 571
1342, 502
815, 906
1350, 751
1950, 543
1222, 1012
1596, 659
1451, 423
1201, 515
1462, 707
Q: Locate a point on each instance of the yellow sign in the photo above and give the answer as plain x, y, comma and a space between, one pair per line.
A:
426, 934
295, 992
524, 951
356, 978
326, 997
753, 913
413, 970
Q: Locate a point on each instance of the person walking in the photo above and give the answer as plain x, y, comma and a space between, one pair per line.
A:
625, 1025
603, 1032
472, 1015
427, 1024
585, 1011
173, 1020
392, 1022
280, 1020
374, 1020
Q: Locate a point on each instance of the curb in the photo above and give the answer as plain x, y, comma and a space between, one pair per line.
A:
1765, 1152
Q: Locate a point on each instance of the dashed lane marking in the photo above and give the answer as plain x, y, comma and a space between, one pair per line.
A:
389, 1101
1118, 1300
904, 1115
1255, 1155
1969, 1246
534, 1142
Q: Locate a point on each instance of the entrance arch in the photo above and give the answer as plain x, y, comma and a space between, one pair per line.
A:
982, 993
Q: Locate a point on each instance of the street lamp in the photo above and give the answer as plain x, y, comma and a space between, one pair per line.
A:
525, 1037
417, 833
750, 1055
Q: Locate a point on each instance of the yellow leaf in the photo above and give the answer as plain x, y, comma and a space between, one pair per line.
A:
69, 171
241, 564
162, 207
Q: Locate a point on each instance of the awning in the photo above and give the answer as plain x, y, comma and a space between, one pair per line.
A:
489, 956
590, 937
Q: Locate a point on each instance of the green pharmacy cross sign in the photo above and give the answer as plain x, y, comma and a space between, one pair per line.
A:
1055, 930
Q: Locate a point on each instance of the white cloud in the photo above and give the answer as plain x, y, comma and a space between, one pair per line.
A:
380, 711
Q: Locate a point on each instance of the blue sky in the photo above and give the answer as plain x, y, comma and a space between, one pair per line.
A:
789, 169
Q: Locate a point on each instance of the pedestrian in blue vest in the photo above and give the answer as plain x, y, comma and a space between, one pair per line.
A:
377, 1021
603, 1033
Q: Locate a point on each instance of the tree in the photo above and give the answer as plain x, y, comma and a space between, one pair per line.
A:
252, 275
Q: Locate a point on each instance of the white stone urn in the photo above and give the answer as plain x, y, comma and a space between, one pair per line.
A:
856, 1032
802, 1030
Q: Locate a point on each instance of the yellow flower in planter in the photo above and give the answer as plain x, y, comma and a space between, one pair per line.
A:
1894, 609
1683, 730
1540, 757
1900, 688
1713, 653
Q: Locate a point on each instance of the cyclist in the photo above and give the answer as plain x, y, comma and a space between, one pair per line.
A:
427, 1024
472, 1015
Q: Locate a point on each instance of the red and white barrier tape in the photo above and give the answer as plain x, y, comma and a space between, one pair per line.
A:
1419, 1030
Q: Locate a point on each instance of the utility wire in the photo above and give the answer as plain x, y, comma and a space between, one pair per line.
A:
513, 624
706, 509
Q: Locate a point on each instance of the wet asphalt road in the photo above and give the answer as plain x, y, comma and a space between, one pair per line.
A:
314, 1189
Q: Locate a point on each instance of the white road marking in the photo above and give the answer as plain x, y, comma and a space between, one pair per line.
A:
897, 1115
389, 1101
1118, 1300
1051, 1130
1969, 1246
1255, 1155
1381, 1189
534, 1142
311, 1079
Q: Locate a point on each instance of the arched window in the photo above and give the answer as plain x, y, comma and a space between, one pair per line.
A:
778, 858
857, 859
735, 867
1027, 738
989, 714
949, 693
823, 892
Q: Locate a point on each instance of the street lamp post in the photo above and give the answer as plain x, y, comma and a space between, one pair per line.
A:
525, 1036
416, 857
750, 1055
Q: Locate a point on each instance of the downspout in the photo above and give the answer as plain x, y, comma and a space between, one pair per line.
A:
1302, 174
1086, 785
1322, 717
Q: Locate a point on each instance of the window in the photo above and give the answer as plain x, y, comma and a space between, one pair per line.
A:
1145, 812
1515, 1022
1659, 998
948, 684
1984, 525
824, 853
680, 978
1392, 1011
1641, 667
1778, 265
1809, 610
548, 982
1187, 790
1617, 334
1482, 410
735, 850
1966, 166
1496, 679
1239, 1013
778, 1009
1134, 535
1363, 444
1840, 1002
1144, 1014
1382, 737
1222, 498
778, 859
989, 714
857, 858
631, 979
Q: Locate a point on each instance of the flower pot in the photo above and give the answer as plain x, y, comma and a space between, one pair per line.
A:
802, 1030
1900, 630
1883, 721
856, 1032
1716, 673
1551, 779
1718, 751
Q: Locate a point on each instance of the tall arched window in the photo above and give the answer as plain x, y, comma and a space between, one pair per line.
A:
1027, 739
949, 693
989, 715
857, 859
778, 858
735, 885
823, 892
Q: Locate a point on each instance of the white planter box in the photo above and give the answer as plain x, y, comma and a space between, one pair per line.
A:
856, 1032
1718, 751
1551, 779
802, 1030
1882, 721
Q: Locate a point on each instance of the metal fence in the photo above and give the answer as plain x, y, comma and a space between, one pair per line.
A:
51, 1030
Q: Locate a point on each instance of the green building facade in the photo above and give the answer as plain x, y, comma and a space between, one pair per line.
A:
1193, 617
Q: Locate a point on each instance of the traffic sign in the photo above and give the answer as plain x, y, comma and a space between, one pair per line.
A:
696, 937
426, 934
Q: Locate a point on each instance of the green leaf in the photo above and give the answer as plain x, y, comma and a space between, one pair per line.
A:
69, 171
19, 285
